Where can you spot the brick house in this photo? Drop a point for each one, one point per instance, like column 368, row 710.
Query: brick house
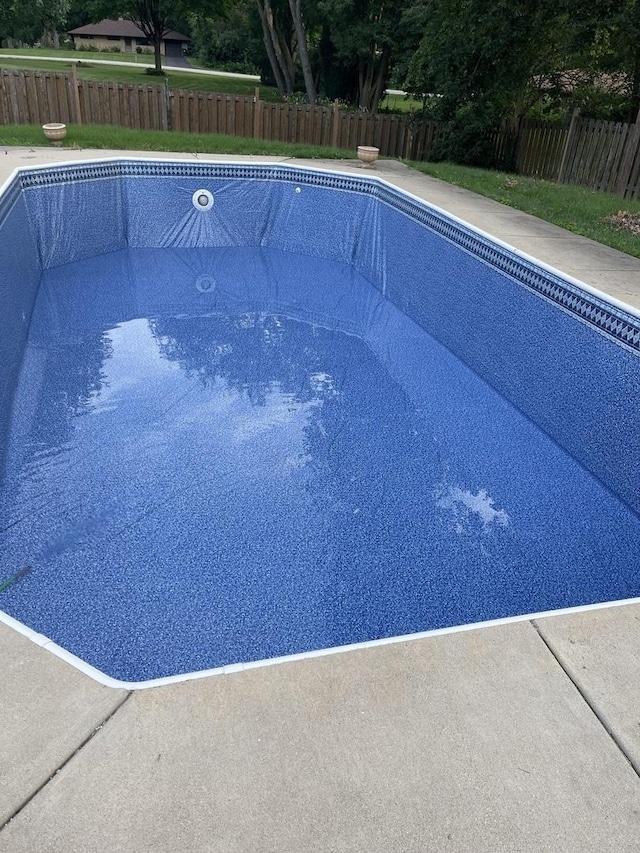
column 126, row 37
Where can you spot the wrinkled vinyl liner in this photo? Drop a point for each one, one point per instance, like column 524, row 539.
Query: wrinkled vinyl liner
column 316, row 414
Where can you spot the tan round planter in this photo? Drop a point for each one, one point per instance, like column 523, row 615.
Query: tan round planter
column 55, row 131
column 367, row 155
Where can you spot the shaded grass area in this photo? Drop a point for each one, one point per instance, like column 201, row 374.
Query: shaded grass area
column 400, row 104
column 577, row 209
column 120, row 138
column 176, row 79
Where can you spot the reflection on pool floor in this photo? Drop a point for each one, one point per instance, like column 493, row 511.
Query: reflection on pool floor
column 224, row 455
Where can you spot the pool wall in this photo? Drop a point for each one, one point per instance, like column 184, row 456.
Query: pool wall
column 19, row 278
column 565, row 356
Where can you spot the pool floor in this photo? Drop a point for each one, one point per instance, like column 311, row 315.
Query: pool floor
column 226, row 455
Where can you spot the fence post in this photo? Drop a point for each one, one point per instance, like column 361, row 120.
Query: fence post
column 257, row 114
column 568, row 146
column 168, row 105
column 513, row 140
column 627, row 158
column 76, row 92
column 335, row 125
column 408, row 140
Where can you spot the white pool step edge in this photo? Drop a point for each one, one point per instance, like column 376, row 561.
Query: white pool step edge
column 107, row 681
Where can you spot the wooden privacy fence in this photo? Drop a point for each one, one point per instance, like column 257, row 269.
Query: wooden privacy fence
column 36, row 97
column 600, row 155
column 535, row 149
column 394, row 135
column 539, row 150
column 604, row 155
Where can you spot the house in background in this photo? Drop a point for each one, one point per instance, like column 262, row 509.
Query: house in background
column 125, row 37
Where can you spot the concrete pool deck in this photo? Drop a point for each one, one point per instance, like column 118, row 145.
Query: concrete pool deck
column 523, row 736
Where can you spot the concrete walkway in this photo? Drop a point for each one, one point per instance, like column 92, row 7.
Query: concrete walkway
column 523, row 737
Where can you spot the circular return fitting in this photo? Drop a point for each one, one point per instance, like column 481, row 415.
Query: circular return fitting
column 202, row 200
column 205, row 284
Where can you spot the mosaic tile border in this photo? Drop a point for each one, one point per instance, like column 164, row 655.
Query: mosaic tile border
column 57, row 175
column 607, row 319
column 612, row 321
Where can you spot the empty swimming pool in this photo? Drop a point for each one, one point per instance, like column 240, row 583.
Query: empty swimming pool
column 253, row 412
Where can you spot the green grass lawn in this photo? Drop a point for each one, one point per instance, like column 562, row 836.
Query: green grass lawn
column 76, row 54
column 400, row 103
column 119, row 138
column 87, row 55
column 575, row 208
column 117, row 74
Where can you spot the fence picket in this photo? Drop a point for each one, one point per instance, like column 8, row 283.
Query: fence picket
column 633, row 181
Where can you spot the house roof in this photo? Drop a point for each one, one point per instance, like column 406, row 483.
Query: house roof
column 121, row 28
column 617, row 83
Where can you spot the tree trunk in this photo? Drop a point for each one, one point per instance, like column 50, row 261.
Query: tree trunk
column 380, row 80
column 271, row 54
column 372, row 77
column 284, row 60
column 364, row 84
column 157, row 52
column 634, row 103
column 152, row 21
column 286, row 51
column 301, row 37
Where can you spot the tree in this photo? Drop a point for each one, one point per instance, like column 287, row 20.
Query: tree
column 295, row 7
column 33, row 20
column 366, row 35
column 78, row 15
column 53, row 16
column 7, row 21
column 278, row 41
column 230, row 42
column 596, row 63
column 486, row 63
column 615, row 45
column 286, row 41
column 476, row 59
column 154, row 17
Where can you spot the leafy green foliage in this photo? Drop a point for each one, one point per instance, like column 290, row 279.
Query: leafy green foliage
column 614, row 47
column 30, row 20
column 595, row 62
column 477, row 64
column 363, row 38
column 486, row 63
column 476, row 57
column 231, row 41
